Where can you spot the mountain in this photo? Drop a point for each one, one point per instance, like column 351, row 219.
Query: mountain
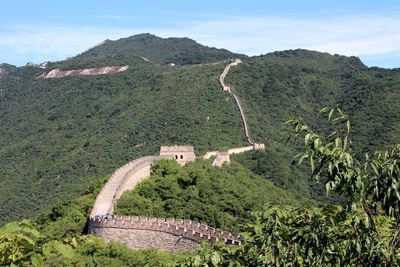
column 276, row 86
column 58, row 136
column 179, row 51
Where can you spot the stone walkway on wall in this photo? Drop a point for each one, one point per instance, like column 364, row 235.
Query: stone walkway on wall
column 227, row 88
column 125, row 178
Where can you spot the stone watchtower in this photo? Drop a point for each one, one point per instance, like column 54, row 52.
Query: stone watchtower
column 182, row 154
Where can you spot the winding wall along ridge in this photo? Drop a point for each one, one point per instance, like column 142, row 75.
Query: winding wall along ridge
column 229, row 89
column 145, row 232
column 124, row 178
column 186, row 228
column 159, row 233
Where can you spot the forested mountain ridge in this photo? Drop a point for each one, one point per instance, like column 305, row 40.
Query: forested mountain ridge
column 148, row 47
column 303, row 81
column 276, row 86
column 57, row 136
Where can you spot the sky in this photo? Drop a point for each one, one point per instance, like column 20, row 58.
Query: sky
column 43, row 30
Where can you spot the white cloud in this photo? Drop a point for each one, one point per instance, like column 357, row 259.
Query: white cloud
column 361, row 35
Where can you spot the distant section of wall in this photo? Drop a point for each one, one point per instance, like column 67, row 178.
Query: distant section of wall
column 258, row 146
column 221, row 158
column 210, row 154
column 240, row 150
column 57, row 73
column 182, row 154
column 224, row 156
column 160, row 233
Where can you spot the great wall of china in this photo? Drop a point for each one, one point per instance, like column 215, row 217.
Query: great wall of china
column 160, row 233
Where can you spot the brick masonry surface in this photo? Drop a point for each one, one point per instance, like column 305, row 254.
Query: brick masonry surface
column 137, row 239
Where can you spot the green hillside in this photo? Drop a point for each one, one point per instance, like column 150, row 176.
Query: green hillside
column 180, row 51
column 222, row 197
column 276, row 86
column 59, row 135
column 60, row 139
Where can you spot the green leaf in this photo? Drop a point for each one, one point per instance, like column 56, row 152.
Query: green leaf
column 37, row 260
column 330, row 114
column 215, row 259
column 325, row 109
column 312, row 164
column 307, row 138
column 303, row 158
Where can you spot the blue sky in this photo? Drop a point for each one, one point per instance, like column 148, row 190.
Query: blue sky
column 38, row 31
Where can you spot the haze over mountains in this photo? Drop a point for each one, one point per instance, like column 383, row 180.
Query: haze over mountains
column 59, row 135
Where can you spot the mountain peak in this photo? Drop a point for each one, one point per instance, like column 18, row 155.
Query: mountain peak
column 160, row 50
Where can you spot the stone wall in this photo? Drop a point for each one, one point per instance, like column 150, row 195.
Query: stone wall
column 182, row 154
column 161, row 233
column 144, row 232
column 240, row 150
column 210, row 154
column 144, row 239
column 221, row 158
column 125, row 178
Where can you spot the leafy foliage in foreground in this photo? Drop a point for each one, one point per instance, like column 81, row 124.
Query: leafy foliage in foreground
column 365, row 232
column 57, row 238
column 21, row 244
column 220, row 197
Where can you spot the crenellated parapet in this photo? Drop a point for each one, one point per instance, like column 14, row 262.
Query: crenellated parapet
column 179, row 228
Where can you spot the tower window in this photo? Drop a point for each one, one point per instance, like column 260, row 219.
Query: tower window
column 181, row 156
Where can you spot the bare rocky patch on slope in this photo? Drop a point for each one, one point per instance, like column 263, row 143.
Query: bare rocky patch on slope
column 2, row 72
column 57, row 73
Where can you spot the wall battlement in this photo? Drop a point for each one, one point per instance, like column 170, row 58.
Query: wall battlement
column 179, row 228
column 182, row 154
column 147, row 232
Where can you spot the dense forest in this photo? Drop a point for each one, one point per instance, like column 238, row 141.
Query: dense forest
column 59, row 135
column 60, row 139
column 220, row 197
column 279, row 231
